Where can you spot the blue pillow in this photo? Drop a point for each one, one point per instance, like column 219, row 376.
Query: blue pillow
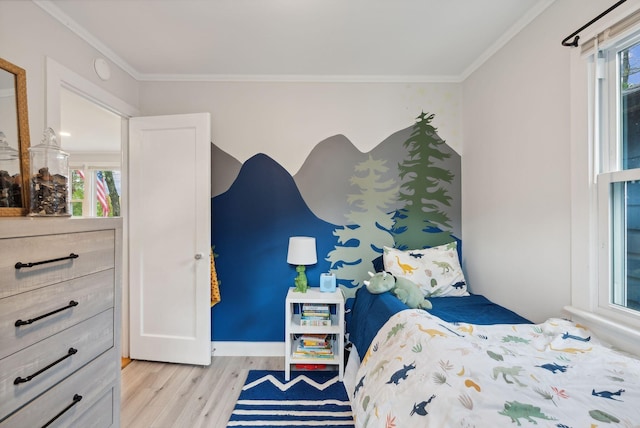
column 378, row 264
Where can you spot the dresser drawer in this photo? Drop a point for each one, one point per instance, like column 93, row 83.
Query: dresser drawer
column 95, row 383
column 100, row 414
column 93, row 294
column 95, row 252
column 63, row 353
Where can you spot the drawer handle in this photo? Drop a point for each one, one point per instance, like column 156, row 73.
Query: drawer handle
column 32, row 320
column 20, row 380
column 21, row 265
column 76, row 400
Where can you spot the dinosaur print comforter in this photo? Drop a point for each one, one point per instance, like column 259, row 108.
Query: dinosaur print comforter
column 421, row 371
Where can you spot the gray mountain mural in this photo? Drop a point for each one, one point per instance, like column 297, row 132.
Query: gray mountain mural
column 324, row 179
column 224, row 170
column 331, row 164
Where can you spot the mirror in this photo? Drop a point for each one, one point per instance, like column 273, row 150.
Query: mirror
column 14, row 141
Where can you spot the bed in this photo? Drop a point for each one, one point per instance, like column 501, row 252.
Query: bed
column 469, row 362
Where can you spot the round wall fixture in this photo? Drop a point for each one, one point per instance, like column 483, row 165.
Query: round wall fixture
column 102, row 68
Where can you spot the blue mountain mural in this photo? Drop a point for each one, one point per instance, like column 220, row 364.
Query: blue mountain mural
column 403, row 193
column 250, row 230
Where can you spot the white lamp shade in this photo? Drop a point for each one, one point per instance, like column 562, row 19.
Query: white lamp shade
column 302, row 251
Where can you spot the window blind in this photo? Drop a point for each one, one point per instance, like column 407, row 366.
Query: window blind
column 611, row 33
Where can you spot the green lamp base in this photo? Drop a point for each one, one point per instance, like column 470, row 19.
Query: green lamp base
column 301, row 280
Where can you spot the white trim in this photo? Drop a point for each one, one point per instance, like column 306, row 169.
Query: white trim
column 297, row 78
column 103, row 160
column 247, row 349
column 55, row 12
column 594, row 168
column 621, row 176
column 615, row 333
column 610, row 221
column 57, row 77
column 506, row 37
column 589, row 213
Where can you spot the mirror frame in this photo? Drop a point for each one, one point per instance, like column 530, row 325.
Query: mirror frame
column 23, row 137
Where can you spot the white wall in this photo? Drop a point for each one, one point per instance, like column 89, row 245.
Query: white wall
column 286, row 120
column 28, row 35
column 516, row 168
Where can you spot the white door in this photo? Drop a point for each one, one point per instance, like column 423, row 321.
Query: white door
column 169, row 238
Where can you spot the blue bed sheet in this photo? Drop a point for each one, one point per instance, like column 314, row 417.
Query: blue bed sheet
column 370, row 311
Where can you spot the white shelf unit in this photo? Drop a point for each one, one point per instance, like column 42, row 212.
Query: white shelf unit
column 293, row 329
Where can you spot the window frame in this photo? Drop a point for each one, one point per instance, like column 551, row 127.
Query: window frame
column 90, row 196
column 606, row 101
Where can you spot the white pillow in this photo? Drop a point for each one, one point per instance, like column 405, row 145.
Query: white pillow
column 435, row 270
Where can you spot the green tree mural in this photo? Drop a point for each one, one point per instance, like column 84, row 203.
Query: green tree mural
column 422, row 222
column 369, row 222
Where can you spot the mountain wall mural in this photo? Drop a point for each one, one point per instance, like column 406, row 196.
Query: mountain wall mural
column 405, row 193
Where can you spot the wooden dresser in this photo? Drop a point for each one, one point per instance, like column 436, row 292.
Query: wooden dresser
column 60, row 297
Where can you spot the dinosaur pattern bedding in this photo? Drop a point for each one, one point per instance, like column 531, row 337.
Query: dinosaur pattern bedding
column 421, row 371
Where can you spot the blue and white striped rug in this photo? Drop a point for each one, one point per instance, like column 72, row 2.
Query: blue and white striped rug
column 309, row 399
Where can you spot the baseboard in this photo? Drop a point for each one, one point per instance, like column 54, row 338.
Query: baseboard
column 247, row 349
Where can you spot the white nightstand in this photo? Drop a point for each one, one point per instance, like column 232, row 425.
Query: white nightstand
column 293, row 328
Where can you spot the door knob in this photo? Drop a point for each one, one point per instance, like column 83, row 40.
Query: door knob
column 199, row 256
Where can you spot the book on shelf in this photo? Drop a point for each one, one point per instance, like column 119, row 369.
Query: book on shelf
column 314, row 338
column 321, row 340
column 313, row 307
column 313, row 346
column 316, row 315
column 315, row 322
column 308, row 350
column 313, row 314
column 314, row 318
column 306, row 355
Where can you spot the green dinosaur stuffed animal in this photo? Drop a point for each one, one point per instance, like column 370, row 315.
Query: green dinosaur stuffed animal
column 405, row 290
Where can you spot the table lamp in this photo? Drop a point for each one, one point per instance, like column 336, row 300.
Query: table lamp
column 302, row 252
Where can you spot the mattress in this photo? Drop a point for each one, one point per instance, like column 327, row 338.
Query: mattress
column 371, row 311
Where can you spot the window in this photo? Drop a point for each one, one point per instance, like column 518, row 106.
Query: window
column 95, row 192
column 617, row 134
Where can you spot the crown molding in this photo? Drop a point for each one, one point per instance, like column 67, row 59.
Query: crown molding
column 297, row 78
column 53, row 10
column 49, row 7
column 506, row 37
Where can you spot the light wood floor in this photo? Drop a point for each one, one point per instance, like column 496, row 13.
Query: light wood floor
column 161, row 395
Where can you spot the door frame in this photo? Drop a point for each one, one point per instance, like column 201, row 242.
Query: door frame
column 58, row 77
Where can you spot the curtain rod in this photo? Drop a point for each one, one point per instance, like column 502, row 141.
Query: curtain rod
column 576, row 37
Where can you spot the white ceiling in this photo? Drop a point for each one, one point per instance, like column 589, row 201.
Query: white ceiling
column 365, row 40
